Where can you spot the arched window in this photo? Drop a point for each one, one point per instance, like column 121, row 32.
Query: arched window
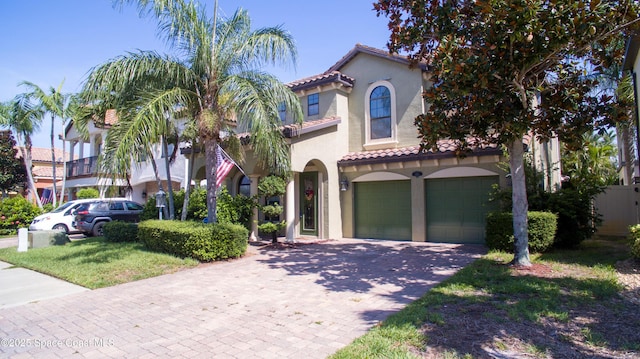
column 380, row 113
column 244, row 186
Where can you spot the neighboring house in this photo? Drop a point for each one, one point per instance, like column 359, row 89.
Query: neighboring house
column 631, row 174
column 82, row 172
column 42, row 171
column 357, row 169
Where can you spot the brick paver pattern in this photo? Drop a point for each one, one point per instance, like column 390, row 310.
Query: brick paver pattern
column 304, row 301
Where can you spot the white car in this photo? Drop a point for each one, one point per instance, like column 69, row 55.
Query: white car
column 60, row 219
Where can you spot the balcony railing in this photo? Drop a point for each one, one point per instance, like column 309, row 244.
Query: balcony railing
column 82, row 167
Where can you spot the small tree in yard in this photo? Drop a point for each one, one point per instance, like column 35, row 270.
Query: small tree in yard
column 269, row 187
column 12, row 171
column 502, row 70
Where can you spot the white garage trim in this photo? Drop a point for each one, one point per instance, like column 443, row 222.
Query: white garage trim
column 461, row 172
column 380, row 176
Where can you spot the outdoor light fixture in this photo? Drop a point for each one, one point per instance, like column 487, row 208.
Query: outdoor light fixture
column 344, row 184
column 417, row 174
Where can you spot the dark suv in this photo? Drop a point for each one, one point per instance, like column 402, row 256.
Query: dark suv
column 91, row 216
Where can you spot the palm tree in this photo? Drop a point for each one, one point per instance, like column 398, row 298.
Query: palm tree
column 24, row 119
column 54, row 103
column 219, row 75
column 593, row 166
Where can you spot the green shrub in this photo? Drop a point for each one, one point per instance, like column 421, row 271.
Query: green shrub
column 87, row 193
column 204, row 242
column 542, row 229
column 16, row 213
column 634, row 234
column 119, row 231
column 236, row 210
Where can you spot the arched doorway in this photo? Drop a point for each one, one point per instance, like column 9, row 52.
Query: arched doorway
column 311, row 190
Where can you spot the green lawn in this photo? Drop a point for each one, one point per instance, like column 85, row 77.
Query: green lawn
column 570, row 307
column 94, row 263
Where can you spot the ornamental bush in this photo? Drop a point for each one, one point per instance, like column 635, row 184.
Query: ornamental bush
column 542, row 230
column 194, row 239
column 634, row 234
column 86, row 193
column 16, row 213
column 119, row 231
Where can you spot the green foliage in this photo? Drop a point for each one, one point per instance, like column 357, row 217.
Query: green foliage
column 542, row 228
column 592, row 166
column 271, row 227
column 577, row 219
column 86, row 193
column 197, row 209
column 634, row 234
column 272, row 186
column 237, row 210
column 16, row 213
column 13, row 176
column 119, row 231
column 204, row 242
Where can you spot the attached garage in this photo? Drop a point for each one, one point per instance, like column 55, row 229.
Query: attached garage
column 456, row 208
column 382, row 209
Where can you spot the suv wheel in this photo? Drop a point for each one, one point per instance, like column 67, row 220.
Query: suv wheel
column 97, row 229
column 60, row 227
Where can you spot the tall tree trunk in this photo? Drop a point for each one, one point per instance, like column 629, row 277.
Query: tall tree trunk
column 167, row 165
column 187, row 190
column 211, row 165
column 520, row 204
column 64, row 167
column 28, row 163
column 53, row 162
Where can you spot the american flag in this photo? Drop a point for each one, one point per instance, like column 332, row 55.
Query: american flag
column 225, row 164
column 47, row 196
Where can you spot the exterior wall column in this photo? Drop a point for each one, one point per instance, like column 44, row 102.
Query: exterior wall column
column 418, row 208
column 290, row 210
column 253, row 191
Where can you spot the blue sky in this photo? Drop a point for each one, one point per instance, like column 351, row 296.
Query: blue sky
column 46, row 42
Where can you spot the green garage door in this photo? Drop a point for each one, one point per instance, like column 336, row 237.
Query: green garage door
column 383, row 210
column 457, row 207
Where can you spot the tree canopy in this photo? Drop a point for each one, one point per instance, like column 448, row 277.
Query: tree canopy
column 505, row 70
column 216, row 81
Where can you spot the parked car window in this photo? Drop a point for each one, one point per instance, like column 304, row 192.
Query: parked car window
column 134, row 206
column 116, row 206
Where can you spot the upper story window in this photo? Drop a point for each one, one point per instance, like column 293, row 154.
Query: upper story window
column 380, row 115
column 282, row 111
column 380, row 112
column 313, row 104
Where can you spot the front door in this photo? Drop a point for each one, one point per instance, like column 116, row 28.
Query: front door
column 309, row 203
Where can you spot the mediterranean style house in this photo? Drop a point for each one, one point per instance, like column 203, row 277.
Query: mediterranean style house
column 356, row 164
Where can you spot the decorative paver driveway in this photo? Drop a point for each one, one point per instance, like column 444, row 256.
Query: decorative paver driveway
column 303, row 301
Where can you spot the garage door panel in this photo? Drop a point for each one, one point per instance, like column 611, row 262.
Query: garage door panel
column 457, row 208
column 383, row 210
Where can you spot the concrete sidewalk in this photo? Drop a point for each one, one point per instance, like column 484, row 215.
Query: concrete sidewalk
column 280, row 302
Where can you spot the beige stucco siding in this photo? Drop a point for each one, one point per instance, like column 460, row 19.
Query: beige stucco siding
column 407, row 84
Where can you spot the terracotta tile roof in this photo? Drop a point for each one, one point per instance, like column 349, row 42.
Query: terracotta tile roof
column 295, row 129
column 110, row 117
column 41, row 154
column 446, row 148
column 47, row 171
column 321, row 79
column 359, row 48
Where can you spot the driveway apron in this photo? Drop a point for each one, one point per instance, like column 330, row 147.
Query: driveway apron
column 291, row 301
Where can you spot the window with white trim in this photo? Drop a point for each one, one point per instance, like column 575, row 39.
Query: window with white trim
column 380, row 114
column 313, row 104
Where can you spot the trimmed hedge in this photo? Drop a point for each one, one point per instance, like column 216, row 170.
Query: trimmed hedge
column 119, row 231
column 634, row 234
column 204, row 242
column 542, row 230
